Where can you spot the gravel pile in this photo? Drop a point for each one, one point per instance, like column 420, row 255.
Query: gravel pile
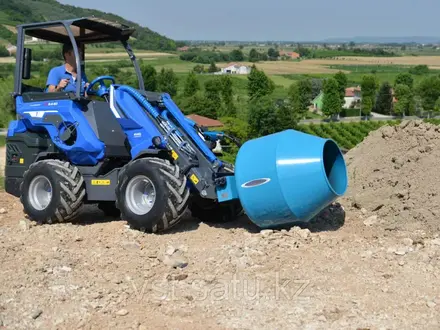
column 395, row 174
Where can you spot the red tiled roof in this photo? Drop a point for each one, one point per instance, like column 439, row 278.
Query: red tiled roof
column 291, row 54
column 350, row 91
column 205, row 121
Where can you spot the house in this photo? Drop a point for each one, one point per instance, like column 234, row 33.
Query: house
column 205, row 121
column 183, row 49
column 11, row 49
column 352, row 96
column 292, row 55
column 317, row 101
column 234, row 68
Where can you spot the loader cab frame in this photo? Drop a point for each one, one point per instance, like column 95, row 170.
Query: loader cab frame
column 80, row 32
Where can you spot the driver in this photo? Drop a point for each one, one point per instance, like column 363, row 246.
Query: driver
column 63, row 77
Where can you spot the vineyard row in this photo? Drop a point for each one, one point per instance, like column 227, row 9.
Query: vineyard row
column 348, row 135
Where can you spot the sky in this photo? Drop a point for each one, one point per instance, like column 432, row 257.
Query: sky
column 306, row 20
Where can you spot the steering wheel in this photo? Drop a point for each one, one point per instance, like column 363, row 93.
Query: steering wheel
column 102, row 90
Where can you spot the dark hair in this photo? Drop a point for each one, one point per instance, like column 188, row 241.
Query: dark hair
column 67, row 47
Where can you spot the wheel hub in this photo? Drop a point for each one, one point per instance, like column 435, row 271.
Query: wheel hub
column 140, row 195
column 40, row 192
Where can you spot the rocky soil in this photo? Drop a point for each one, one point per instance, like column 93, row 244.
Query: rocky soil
column 353, row 267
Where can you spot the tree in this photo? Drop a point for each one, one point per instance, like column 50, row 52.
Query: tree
column 294, row 99
column 227, row 94
column 305, row 93
column 167, row 82
column 316, row 87
column 299, row 96
column 437, row 106
column 233, row 127
column 149, row 75
column 236, row 55
column 342, row 80
column 405, row 79
column 273, row 54
column 254, row 56
column 199, row 68
column 212, row 67
column 429, row 91
column 259, row 84
column 262, row 117
column 213, row 99
column 419, row 69
column 331, row 103
column 286, row 118
column 405, row 100
column 384, row 102
column 191, row 85
column 369, row 88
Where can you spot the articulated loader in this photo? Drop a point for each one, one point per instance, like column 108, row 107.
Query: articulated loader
column 135, row 154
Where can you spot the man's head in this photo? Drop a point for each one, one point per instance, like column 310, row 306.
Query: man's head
column 69, row 54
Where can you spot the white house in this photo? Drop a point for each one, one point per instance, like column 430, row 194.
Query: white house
column 352, row 95
column 234, row 68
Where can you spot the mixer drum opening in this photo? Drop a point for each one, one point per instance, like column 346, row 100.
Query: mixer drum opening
column 334, row 167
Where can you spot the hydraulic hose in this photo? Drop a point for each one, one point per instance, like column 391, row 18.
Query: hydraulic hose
column 167, row 125
column 141, row 99
column 163, row 123
column 172, row 107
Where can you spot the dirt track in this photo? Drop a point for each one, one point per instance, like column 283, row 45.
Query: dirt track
column 350, row 271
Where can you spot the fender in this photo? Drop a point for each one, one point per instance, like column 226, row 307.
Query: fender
column 161, row 153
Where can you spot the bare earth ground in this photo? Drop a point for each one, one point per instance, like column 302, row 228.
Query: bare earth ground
column 348, row 272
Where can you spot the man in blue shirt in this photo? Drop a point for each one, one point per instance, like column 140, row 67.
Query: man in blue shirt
column 63, row 78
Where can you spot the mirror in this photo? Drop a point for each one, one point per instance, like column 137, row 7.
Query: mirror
column 27, row 59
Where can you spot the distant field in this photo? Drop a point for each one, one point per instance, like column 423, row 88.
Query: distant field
column 402, row 60
column 103, row 57
column 282, row 72
column 327, row 66
column 289, row 67
column 140, row 54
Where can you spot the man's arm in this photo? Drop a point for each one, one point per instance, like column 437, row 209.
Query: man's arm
column 53, row 83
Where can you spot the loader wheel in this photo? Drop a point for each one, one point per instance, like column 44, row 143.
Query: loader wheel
column 52, row 191
column 152, row 194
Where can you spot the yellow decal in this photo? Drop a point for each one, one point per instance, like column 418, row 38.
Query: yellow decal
column 194, row 179
column 174, row 155
column 100, row 182
column 21, row 160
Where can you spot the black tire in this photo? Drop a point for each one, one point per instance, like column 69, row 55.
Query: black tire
column 109, row 209
column 67, row 186
column 214, row 212
column 171, row 199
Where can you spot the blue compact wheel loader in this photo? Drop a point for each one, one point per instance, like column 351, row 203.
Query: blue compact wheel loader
column 134, row 154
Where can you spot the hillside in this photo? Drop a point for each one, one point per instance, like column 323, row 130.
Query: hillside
column 13, row 12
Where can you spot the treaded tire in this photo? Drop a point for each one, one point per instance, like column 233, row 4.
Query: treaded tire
column 214, row 212
column 172, row 194
column 67, row 186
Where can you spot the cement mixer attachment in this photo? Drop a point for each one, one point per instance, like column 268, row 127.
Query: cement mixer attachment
column 286, row 177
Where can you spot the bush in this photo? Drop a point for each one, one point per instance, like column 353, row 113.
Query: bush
column 349, row 113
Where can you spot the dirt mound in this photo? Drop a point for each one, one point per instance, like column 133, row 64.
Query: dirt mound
column 394, row 173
